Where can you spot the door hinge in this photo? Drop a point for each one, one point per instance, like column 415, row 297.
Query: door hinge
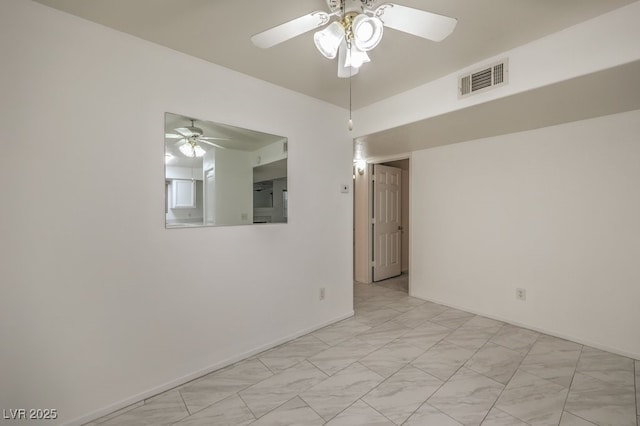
column 373, row 220
column 373, row 263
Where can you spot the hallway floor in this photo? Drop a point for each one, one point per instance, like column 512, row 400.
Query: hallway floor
column 404, row 361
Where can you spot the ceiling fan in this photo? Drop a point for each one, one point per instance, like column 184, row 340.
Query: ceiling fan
column 189, row 139
column 354, row 27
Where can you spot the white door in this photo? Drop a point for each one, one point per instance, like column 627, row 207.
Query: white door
column 387, row 187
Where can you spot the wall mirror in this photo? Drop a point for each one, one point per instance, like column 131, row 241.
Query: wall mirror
column 219, row 175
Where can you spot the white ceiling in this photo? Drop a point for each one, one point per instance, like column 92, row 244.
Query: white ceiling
column 219, row 31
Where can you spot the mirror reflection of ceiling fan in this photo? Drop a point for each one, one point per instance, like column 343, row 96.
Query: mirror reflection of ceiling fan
column 190, row 138
column 354, row 27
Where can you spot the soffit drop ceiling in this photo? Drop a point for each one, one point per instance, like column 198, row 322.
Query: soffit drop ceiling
column 219, row 30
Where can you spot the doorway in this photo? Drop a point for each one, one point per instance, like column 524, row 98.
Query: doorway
column 381, row 223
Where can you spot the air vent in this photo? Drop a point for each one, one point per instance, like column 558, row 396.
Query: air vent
column 484, row 79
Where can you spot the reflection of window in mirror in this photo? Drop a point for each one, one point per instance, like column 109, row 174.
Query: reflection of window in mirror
column 218, row 174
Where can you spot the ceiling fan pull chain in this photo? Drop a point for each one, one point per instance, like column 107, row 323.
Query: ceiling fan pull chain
column 350, row 77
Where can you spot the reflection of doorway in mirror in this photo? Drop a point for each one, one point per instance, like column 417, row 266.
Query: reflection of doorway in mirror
column 285, row 203
column 209, row 198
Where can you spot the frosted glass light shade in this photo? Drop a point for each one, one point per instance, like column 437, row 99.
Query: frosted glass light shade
column 367, row 32
column 328, row 40
column 345, row 71
column 356, row 57
column 191, row 149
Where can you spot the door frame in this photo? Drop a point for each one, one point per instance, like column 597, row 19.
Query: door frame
column 362, row 213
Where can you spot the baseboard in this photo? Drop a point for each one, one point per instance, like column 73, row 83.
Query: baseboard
column 140, row 397
column 553, row 333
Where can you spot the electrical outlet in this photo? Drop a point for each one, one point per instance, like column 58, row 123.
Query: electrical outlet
column 521, row 294
column 322, row 293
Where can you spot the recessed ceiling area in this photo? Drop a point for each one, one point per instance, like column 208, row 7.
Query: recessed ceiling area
column 219, row 31
column 610, row 91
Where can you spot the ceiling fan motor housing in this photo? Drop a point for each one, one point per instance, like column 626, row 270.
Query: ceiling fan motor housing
column 196, row 131
column 350, row 5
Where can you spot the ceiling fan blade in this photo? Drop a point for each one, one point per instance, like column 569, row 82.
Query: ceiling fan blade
column 212, row 138
column 172, row 136
column 200, row 140
column 291, row 29
column 415, row 21
column 184, row 132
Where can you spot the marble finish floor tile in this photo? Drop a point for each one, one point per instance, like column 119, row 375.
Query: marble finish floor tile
column 605, row 366
column 515, row 338
column 471, row 338
column 601, row 402
column 399, row 283
column 452, row 318
column 341, row 331
column 377, row 316
column 341, row 356
column 427, row 415
column 383, row 334
column 368, row 307
column 406, row 361
column 289, row 354
column 553, row 359
column 496, row 362
column 415, row 317
column 569, row 419
column 338, row 392
column 405, row 304
column 433, row 307
column 442, row 360
column 274, row 391
column 467, row 397
column 360, row 414
column 425, row 335
column 216, row 386
column 164, row 409
column 480, row 322
column 535, row 400
column 293, row 413
column 401, row 394
column 497, row 417
column 391, row 357
column 231, row 411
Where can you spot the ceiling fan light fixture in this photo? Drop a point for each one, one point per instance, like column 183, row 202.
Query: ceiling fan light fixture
column 367, row 32
column 191, row 149
column 356, row 57
column 328, row 40
column 344, row 70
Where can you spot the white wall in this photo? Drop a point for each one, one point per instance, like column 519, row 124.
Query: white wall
column 100, row 305
column 555, row 211
column 270, row 153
